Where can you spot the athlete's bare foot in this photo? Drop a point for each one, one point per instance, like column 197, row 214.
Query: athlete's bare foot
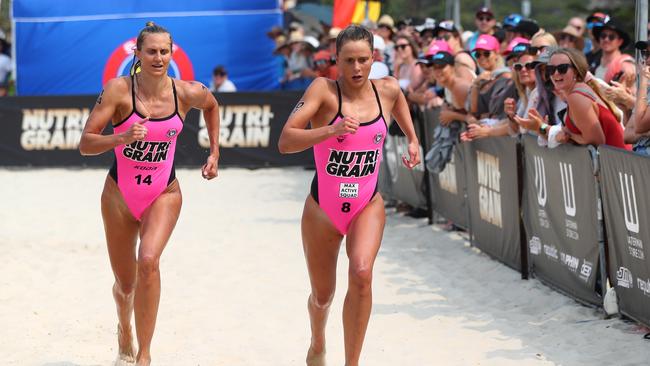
column 126, row 350
column 143, row 361
column 315, row 359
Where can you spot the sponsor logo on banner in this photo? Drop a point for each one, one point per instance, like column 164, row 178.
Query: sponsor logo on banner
column 570, row 261
column 540, row 180
column 643, row 285
column 628, row 196
column 119, row 62
column 348, row 190
column 585, row 270
column 568, row 191
column 447, row 177
column 489, row 191
column 624, row 278
column 569, row 198
column 347, row 164
column 52, row 128
column 551, row 251
column 535, row 245
column 241, row 126
column 631, row 215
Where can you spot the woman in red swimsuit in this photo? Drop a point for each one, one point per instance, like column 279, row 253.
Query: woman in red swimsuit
column 591, row 118
column 141, row 197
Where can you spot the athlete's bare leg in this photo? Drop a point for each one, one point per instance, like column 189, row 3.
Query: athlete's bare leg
column 321, row 243
column 158, row 222
column 362, row 244
column 121, row 234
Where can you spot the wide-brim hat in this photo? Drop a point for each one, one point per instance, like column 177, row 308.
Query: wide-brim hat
column 612, row 24
column 387, row 21
column 572, row 31
column 641, row 45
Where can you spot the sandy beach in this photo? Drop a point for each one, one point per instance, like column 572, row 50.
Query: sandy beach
column 234, row 286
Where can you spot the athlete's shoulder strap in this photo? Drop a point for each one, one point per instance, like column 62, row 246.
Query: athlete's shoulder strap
column 381, row 112
column 175, row 96
column 133, row 93
column 338, row 92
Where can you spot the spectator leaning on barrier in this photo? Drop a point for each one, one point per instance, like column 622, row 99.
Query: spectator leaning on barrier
column 220, row 82
column 638, row 128
column 591, row 118
column 491, row 88
column 485, row 23
column 456, row 88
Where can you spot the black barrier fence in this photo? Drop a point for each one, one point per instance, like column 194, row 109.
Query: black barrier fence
column 492, row 187
column 45, row 131
column 562, row 221
column 623, row 178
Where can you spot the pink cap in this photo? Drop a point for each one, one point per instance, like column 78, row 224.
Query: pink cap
column 515, row 41
column 487, row 42
column 438, row 45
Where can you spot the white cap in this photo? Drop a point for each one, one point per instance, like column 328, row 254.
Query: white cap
column 312, row 41
column 378, row 43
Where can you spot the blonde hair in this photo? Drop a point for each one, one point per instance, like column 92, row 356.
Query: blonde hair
column 547, row 38
column 521, row 88
column 579, row 63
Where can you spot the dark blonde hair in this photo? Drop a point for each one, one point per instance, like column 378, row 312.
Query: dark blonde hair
column 581, row 67
column 354, row 32
column 414, row 47
column 149, row 28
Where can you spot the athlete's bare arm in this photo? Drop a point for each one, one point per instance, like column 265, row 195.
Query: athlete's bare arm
column 107, row 108
column 196, row 95
column 402, row 115
column 294, row 137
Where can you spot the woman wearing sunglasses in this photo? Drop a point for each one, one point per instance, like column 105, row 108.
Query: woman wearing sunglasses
column 406, row 54
column 591, row 118
column 523, row 68
column 614, row 65
column 493, row 85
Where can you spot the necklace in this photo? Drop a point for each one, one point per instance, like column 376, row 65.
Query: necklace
column 148, row 113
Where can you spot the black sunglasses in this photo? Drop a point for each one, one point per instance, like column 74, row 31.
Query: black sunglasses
column 610, row 36
column 401, row 46
column 561, row 68
column 483, row 53
column 444, row 37
column 529, row 66
column 567, row 37
column 484, row 19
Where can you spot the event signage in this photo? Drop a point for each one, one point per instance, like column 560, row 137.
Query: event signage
column 491, row 171
column 560, row 210
column 45, row 131
column 623, row 179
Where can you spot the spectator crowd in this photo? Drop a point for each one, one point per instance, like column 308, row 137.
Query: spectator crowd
column 578, row 84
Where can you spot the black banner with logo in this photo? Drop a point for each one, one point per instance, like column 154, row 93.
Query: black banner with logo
column 492, row 193
column 560, row 210
column 624, row 178
column 45, row 131
column 447, row 187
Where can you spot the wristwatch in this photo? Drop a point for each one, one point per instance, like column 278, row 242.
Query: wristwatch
column 543, row 128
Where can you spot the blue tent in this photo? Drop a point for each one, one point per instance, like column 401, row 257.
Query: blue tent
column 73, row 47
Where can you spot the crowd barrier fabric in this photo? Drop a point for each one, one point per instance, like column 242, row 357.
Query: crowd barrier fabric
column 492, row 195
column 45, row 131
column 623, row 178
column 407, row 185
column 448, row 188
column 560, row 211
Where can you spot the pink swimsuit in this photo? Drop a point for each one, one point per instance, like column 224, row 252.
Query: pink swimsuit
column 144, row 169
column 347, row 167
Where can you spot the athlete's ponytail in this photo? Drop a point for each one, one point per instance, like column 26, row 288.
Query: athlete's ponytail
column 150, row 27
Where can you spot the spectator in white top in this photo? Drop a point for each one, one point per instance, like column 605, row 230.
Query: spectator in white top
column 378, row 70
column 220, row 82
